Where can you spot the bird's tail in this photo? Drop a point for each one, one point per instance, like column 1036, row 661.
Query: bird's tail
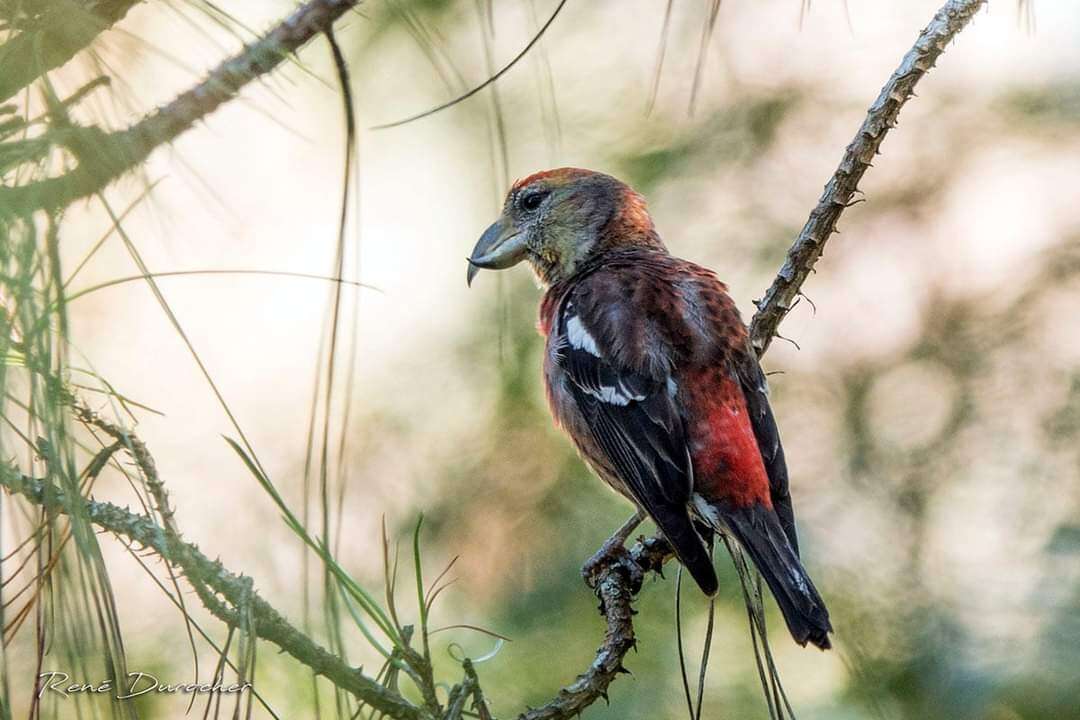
column 771, row 685
column 757, row 530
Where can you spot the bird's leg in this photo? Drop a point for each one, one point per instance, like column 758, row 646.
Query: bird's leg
column 614, row 552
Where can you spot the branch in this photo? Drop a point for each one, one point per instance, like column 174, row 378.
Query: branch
column 62, row 34
column 842, row 186
column 103, row 157
column 618, row 578
column 619, row 575
column 226, row 595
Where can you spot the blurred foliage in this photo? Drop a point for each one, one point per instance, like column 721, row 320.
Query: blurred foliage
column 972, row 404
column 1058, row 103
column 734, row 134
column 937, row 481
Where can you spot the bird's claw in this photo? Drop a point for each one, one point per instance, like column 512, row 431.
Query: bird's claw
column 608, row 558
column 611, row 557
column 614, row 553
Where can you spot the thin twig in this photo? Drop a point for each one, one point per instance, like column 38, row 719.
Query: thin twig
column 491, row 79
column 842, row 186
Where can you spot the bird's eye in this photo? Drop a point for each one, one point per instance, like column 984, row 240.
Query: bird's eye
column 532, row 202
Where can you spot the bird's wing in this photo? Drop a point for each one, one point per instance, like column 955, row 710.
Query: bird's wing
column 635, row 424
column 756, row 390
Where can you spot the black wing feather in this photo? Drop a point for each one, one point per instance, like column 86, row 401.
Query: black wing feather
column 756, row 390
column 635, row 423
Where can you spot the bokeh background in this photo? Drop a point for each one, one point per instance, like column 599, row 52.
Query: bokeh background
column 929, row 398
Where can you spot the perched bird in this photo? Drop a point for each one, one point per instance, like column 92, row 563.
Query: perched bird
column 649, row 370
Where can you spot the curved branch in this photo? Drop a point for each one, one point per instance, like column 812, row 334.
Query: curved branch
column 619, row 575
column 617, row 579
column 224, row 594
column 103, row 157
column 842, row 186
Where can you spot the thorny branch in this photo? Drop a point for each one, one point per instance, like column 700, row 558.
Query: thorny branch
column 617, row 574
column 105, row 156
column 842, row 186
column 618, row 578
column 226, row 595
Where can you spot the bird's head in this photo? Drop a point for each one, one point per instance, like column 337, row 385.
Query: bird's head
column 560, row 219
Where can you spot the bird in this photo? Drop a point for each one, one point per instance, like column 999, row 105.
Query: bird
column 649, row 369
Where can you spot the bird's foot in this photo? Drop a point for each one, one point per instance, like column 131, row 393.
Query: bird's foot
column 607, row 559
column 613, row 554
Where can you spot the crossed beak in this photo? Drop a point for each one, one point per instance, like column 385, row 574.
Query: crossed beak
column 501, row 246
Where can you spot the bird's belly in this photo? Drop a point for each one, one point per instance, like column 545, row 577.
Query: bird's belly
column 572, row 422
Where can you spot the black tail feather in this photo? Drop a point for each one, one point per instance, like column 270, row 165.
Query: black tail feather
column 771, row 685
column 759, row 533
column 691, row 550
column 692, row 553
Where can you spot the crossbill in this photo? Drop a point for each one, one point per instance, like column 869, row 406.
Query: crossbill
column 649, row 370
